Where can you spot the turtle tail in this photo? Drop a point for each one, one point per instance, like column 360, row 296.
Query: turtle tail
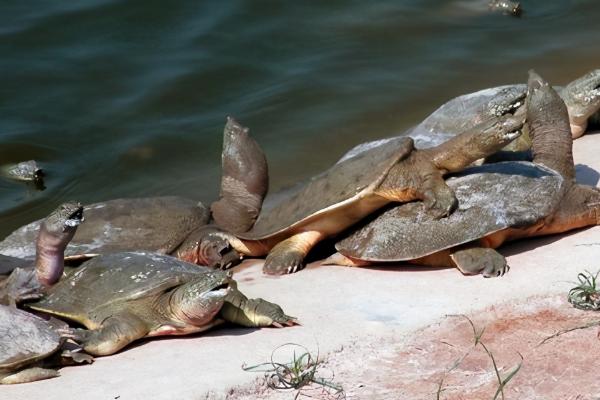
column 244, row 181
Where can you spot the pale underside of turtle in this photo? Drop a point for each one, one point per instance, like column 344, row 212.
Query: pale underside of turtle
column 121, row 297
column 25, row 340
column 153, row 224
column 491, row 198
column 340, row 186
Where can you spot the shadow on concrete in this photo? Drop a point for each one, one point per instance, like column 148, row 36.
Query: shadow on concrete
column 586, row 175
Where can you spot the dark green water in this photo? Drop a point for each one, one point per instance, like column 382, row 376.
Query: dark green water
column 129, row 98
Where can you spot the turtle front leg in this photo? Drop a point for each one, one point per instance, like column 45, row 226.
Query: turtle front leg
column 480, row 142
column 438, row 198
column 254, row 313
column 288, row 255
column 417, row 177
column 115, row 333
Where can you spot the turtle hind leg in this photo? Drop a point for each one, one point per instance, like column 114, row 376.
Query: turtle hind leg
column 253, row 313
column 29, row 375
column 480, row 260
column 288, row 255
column 244, row 181
column 115, row 333
column 468, row 260
column 579, row 208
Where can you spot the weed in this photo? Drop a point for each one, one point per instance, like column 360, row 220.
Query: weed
column 297, row 374
column 586, row 295
column 477, row 334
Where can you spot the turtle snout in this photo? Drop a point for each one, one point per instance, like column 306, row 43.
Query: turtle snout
column 75, row 218
column 216, row 252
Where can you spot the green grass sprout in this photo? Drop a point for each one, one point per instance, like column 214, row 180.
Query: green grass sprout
column 586, row 296
column 297, row 374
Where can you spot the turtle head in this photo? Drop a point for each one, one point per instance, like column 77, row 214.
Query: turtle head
column 498, row 132
column 64, row 220
column 582, row 97
column 198, row 301
column 56, row 231
column 508, row 101
column 208, row 246
column 507, row 7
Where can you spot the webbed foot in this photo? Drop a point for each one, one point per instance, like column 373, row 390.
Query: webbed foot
column 266, row 313
column 440, row 201
column 485, row 261
column 288, row 255
column 280, row 262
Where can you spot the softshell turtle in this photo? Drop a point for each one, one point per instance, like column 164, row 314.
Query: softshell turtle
column 582, row 97
column 29, row 346
column 54, row 233
column 502, row 202
column 24, row 171
column 506, row 7
column 289, row 226
column 154, row 224
column 122, row 297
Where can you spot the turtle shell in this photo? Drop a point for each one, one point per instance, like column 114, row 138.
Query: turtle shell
column 114, row 279
column 456, row 116
column 8, row 264
column 153, row 224
column 491, row 197
column 335, row 188
column 26, row 338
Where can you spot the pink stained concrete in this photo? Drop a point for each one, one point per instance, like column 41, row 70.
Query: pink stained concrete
column 337, row 307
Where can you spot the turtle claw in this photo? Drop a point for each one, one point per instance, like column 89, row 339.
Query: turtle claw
column 490, row 272
column 477, row 260
column 77, row 334
column 440, row 204
column 290, row 322
column 284, row 262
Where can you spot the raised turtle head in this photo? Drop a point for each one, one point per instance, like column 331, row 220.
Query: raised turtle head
column 56, row 232
column 492, row 135
column 64, row 220
column 198, row 301
column 582, row 97
column 507, row 101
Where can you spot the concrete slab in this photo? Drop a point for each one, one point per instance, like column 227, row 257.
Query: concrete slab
column 337, row 307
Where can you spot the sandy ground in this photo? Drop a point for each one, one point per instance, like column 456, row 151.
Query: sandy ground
column 371, row 325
